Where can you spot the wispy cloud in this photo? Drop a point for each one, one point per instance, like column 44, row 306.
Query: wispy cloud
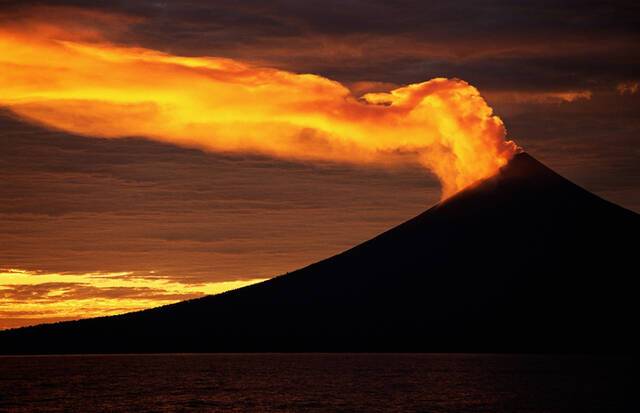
column 539, row 97
column 628, row 88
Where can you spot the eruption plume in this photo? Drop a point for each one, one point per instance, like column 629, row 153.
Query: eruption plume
column 96, row 88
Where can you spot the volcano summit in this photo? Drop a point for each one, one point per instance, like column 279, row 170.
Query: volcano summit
column 523, row 261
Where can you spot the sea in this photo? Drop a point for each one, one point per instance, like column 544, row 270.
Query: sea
column 319, row 383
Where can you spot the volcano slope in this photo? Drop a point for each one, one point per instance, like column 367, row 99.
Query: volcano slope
column 524, row 261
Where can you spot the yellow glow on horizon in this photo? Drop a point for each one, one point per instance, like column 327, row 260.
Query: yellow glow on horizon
column 60, row 300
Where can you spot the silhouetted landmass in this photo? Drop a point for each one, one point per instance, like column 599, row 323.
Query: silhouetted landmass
column 524, row 261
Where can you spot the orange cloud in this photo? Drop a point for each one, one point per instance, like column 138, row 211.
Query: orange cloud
column 216, row 104
column 65, row 22
column 365, row 86
column 567, row 96
column 628, row 88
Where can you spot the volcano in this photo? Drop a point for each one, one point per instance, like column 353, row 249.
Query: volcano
column 524, row 261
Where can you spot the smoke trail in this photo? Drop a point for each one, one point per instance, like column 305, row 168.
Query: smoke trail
column 95, row 88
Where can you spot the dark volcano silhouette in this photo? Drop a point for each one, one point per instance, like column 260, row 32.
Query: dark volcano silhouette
column 524, row 261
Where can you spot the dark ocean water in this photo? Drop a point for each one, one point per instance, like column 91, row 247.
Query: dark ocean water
column 318, row 383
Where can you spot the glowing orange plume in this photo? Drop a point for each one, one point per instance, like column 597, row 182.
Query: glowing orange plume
column 99, row 89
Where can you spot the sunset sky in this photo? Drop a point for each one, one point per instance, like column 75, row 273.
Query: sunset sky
column 96, row 226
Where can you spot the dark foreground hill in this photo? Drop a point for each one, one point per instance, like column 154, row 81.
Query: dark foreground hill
column 524, row 261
